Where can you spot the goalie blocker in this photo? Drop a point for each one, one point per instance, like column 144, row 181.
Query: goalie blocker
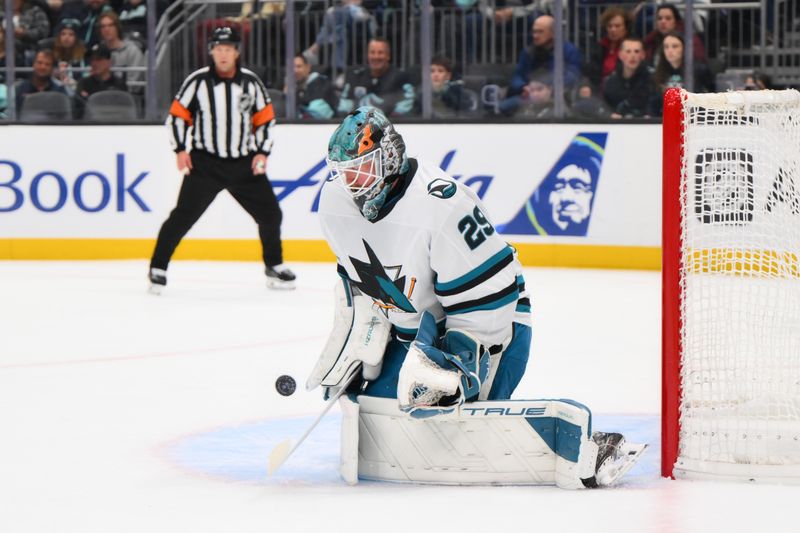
column 509, row 442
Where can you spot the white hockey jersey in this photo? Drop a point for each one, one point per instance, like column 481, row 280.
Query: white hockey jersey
column 432, row 249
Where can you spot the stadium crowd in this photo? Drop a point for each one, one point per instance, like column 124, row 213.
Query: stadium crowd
column 83, row 47
column 76, row 48
column 621, row 75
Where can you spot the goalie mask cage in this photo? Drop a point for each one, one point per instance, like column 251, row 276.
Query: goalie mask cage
column 731, row 286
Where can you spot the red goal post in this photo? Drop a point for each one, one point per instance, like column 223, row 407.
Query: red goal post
column 731, row 286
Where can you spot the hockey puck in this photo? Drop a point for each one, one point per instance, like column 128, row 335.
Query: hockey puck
column 285, row 385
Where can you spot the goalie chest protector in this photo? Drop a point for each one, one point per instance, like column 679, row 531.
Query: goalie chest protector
column 433, row 248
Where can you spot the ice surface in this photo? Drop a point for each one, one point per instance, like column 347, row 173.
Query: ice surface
column 125, row 412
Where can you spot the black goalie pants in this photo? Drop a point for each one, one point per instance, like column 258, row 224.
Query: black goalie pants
column 211, row 175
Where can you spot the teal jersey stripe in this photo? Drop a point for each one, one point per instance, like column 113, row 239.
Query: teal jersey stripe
column 412, row 332
column 497, row 304
column 476, row 272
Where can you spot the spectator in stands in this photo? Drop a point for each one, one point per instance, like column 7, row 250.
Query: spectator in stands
column 510, row 18
column 99, row 79
column 537, row 100
column 449, row 96
column 629, row 90
column 757, row 81
column 379, row 84
column 70, row 53
column 504, row 11
column 670, row 71
column 3, row 100
column 41, row 79
column 540, row 56
column 538, row 59
column 587, row 105
column 2, row 52
column 668, row 19
column 18, row 59
column 338, row 24
column 124, row 53
column 315, row 97
column 3, row 88
column 644, row 13
column 54, row 11
column 133, row 17
column 88, row 12
column 30, row 25
column 616, row 22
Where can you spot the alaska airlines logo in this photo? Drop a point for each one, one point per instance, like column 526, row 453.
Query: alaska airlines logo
column 562, row 204
column 441, row 188
column 376, row 283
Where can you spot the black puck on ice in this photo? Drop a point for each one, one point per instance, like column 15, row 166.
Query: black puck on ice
column 285, row 385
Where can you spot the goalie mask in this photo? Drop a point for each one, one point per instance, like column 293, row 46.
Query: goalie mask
column 366, row 155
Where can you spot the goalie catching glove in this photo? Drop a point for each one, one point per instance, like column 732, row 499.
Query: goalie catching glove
column 359, row 338
column 438, row 376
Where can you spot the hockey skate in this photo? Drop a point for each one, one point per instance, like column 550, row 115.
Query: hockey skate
column 614, row 458
column 158, row 280
column 280, row 277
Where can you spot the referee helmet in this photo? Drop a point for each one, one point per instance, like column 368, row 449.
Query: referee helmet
column 223, row 35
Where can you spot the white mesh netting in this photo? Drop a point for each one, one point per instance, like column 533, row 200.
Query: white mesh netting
column 740, row 284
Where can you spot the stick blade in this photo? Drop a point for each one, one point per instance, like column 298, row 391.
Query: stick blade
column 278, row 455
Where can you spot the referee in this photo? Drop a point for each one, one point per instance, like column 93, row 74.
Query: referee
column 224, row 113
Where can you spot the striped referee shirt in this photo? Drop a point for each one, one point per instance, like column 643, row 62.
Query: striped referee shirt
column 226, row 117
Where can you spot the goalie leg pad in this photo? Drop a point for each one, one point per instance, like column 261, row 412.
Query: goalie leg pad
column 509, row 370
column 579, row 473
column 519, row 442
column 480, row 443
column 385, row 385
column 566, row 432
column 348, row 460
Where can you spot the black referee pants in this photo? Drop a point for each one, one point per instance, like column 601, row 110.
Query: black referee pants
column 208, row 177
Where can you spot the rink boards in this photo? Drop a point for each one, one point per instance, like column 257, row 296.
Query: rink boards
column 103, row 191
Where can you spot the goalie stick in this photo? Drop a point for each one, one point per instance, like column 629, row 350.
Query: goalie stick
column 284, row 449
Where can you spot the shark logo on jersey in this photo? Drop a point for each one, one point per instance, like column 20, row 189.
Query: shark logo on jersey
column 376, row 283
column 441, row 188
column 562, row 203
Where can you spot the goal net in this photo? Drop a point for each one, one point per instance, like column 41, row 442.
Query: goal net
column 731, row 286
